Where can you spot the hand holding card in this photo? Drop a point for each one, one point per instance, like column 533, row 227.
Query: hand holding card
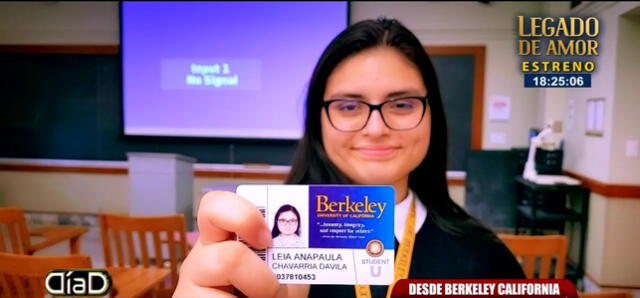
column 327, row 234
column 217, row 264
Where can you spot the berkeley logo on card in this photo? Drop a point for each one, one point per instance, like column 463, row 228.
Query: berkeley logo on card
column 327, row 234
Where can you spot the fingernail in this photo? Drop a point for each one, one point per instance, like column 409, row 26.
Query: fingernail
column 264, row 238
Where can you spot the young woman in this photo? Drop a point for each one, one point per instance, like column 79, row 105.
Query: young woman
column 286, row 227
column 374, row 115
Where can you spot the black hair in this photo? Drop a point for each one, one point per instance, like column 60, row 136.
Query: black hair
column 284, row 208
column 429, row 181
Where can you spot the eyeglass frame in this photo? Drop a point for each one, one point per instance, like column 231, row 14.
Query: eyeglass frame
column 287, row 221
column 378, row 107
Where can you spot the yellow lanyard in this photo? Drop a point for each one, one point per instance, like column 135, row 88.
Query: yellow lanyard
column 403, row 258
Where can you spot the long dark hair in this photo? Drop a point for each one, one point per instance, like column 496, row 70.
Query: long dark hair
column 429, row 181
column 284, row 208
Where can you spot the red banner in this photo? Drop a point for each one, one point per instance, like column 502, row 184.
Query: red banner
column 484, row 287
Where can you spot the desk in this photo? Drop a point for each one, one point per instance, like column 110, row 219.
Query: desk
column 135, row 282
column 55, row 234
column 546, row 205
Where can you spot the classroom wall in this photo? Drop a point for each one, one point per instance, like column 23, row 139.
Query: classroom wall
column 626, row 123
column 552, row 101
column 603, row 158
column 596, row 237
column 613, row 231
column 620, row 258
column 620, row 265
column 81, row 193
column 65, row 192
column 612, row 241
column 93, row 193
column 586, row 154
column 59, row 23
column 552, row 106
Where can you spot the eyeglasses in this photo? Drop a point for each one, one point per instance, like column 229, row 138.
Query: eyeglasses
column 287, row 221
column 398, row 114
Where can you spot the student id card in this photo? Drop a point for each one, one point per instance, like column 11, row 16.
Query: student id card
column 327, row 234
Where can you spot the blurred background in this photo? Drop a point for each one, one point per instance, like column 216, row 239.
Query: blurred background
column 76, row 145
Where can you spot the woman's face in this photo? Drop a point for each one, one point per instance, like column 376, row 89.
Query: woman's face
column 376, row 154
column 287, row 223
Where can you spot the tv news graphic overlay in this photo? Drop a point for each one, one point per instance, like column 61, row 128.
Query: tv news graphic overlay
column 327, row 234
column 78, row 282
column 557, row 52
column 484, row 288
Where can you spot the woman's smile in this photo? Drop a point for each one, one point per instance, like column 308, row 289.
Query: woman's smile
column 376, row 152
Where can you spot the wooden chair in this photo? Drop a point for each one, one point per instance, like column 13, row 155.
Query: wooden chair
column 118, row 232
column 527, row 248
column 13, row 221
column 605, row 294
column 192, row 238
column 24, row 275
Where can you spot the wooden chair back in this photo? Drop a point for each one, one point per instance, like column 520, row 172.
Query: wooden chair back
column 527, row 248
column 605, row 294
column 130, row 241
column 24, row 275
column 14, row 226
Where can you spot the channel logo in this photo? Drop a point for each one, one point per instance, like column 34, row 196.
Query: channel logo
column 78, row 282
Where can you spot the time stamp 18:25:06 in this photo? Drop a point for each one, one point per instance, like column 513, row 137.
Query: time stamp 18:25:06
column 557, row 80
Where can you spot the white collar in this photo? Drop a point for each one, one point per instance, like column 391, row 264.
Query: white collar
column 401, row 212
